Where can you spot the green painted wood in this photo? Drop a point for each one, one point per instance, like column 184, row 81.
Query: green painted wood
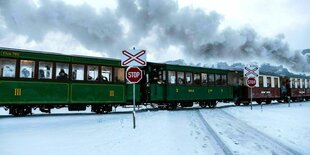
column 130, row 92
column 195, row 69
column 196, row 93
column 34, row 55
column 96, row 61
column 97, row 93
column 157, row 92
column 20, row 92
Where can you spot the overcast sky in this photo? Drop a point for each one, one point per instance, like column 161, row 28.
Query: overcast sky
column 195, row 30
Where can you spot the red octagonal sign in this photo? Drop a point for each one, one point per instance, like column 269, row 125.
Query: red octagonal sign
column 251, row 82
column 133, row 74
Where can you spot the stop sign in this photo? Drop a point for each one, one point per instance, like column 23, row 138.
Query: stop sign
column 251, row 82
column 133, row 74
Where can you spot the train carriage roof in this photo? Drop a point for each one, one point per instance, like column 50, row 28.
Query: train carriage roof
column 58, row 57
column 176, row 67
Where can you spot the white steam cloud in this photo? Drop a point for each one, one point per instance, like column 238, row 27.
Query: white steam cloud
column 134, row 21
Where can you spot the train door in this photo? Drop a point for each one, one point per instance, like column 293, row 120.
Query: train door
column 156, row 82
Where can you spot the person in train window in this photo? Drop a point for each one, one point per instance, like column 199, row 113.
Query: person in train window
column 101, row 78
column 41, row 74
column 62, row 75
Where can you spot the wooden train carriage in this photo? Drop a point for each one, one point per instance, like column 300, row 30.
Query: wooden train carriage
column 170, row 85
column 267, row 88
column 298, row 88
column 44, row 80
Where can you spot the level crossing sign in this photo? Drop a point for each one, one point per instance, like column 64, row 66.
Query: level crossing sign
column 250, row 71
column 251, row 82
column 133, row 57
column 134, row 74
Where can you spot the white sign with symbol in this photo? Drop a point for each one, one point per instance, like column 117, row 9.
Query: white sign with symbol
column 251, row 71
column 133, row 57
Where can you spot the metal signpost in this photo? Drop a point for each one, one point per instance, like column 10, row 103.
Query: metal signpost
column 133, row 58
column 251, row 72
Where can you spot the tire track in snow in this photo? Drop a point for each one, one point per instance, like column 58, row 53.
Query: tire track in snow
column 216, row 139
column 241, row 134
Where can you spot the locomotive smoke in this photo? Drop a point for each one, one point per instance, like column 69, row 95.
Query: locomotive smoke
column 155, row 25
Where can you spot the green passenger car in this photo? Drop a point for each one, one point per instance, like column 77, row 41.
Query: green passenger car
column 43, row 80
column 173, row 85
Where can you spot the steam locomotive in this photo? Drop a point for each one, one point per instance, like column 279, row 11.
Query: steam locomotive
column 41, row 80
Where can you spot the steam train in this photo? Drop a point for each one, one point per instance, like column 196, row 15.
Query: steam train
column 41, row 80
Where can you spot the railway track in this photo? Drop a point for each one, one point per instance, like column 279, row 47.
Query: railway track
column 242, row 138
column 214, row 137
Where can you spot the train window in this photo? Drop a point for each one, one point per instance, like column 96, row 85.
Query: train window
column 218, row 80
column 309, row 83
column 92, row 72
column 224, row 80
column 268, row 81
column 211, row 79
column 171, row 77
column 261, row 81
column 276, row 82
column 293, row 83
column 189, row 78
column 297, row 83
column 27, row 69
column 164, row 76
column 106, row 73
column 180, row 78
column 197, row 79
column 119, row 75
column 45, row 70
column 8, row 67
column 303, row 83
column 62, row 70
column 204, row 77
column 77, row 72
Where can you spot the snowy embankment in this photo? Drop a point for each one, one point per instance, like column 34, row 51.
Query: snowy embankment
column 157, row 132
column 289, row 125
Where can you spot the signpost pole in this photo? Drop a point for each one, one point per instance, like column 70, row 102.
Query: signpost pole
column 251, row 97
column 134, row 105
column 134, row 58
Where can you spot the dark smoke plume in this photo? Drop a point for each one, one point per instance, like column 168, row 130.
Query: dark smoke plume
column 196, row 32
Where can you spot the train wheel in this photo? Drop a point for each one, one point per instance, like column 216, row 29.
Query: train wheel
column 212, row 104
column 172, row 106
column 280, row 101
column 20, row 110
column 237, row 103
column 268, row 101
column 246, row 103
column 203, row 104
column 259, row 102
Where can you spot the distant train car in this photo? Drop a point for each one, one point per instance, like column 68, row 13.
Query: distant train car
column 173, row 85
column 267, row 88
column 298, row 88
column 46, row 80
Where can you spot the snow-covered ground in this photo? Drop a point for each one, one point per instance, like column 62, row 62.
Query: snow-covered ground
column 183, row 132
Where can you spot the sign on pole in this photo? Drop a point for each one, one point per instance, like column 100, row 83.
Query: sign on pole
column 251, row 72
column 134, row 74
column 133, row 58
column 251, row 82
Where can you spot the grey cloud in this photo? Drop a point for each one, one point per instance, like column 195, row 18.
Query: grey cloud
column 194, row 29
